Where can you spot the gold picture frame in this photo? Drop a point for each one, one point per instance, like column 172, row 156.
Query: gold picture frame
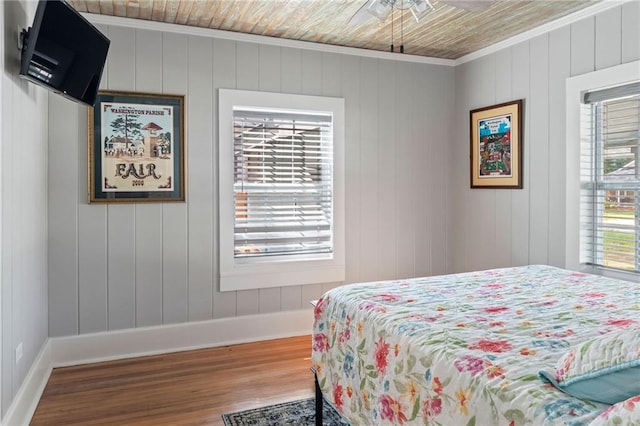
column 496, row 146
column 136, row 148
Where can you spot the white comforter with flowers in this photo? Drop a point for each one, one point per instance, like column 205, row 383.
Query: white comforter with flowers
column 466, row 349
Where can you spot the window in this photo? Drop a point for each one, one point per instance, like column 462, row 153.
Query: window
column 610, row 178
column 282, row 183
column 281, row 189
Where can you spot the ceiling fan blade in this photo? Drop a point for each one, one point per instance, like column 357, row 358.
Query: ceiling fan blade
column 470, row 5
column 361, row 16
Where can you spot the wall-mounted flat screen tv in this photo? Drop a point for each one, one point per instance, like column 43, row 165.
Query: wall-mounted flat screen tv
column 64, row 52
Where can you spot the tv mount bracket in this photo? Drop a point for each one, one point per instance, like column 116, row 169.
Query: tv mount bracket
column 23, row 37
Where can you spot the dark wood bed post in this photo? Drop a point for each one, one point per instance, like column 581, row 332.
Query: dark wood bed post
column 318, row 399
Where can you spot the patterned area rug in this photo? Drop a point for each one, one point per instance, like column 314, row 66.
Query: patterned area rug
column 299, row 413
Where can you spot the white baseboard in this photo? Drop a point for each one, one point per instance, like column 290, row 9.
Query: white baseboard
column 26, row 401
column 135, row 342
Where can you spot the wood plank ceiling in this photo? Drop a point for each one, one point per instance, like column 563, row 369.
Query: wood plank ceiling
column 447, row 32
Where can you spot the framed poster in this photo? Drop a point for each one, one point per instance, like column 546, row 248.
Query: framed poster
column 136, row 148
column 496, row 146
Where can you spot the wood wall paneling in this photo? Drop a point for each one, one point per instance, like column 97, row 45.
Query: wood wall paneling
column 582, row 46
column 480, row 203
column 63, row 217
column 270, row 299
column 6, row 191
column 174, row 215
column 504, row 198
column 174, row 263
column 437, row 135
column 351, row 91
column 291, row 298
column 148, row 217
column 92, row 267
column 248, row 78
column 121, row 270
column 92, row 239
column 291, row 70
column 24, row 182
column 148, row 61
column 331, row 86
column 248, row 302
column 172, row 285
column 38, row 262
column 121, row 61
column 200, row 142
column 311, row 73
column 331, row 73
column 270, row 68
column 559, row 71
column 6, row 290
column 121, row 262
column 536, row 71
column 405, row 185
column 248, row 66
column 459, row 181
column 608, row 37
column 520, row 207
column 224, row 76
column 630, row 31
column 388, row 140
column 24, row 235
column 538, row 131
column 369, row 103
column 148, row 268
column 427, row 152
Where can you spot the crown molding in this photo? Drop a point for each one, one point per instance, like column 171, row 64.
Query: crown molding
column 253, row 38
column 542, row 29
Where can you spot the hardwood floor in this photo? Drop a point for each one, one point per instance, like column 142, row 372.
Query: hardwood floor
column 185, row 388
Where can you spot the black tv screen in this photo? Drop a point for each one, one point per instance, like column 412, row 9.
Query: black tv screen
column 63, row 52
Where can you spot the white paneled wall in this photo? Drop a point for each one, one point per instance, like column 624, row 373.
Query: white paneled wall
column 200, row 156
column 122, row 266
column 497, row 228
column 23, row 209
column 409, row 209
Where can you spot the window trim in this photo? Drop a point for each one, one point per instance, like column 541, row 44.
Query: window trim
column 575, row 89
column 278, row 271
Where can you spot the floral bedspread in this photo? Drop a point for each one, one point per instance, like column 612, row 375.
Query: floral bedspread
column 463, row 349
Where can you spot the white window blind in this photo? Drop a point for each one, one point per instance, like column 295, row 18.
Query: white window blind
column 610, row 179
column 283, row 168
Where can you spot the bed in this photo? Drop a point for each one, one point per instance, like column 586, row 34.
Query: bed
column 480, row 348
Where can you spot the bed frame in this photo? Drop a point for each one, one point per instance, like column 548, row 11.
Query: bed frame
column 319, row 400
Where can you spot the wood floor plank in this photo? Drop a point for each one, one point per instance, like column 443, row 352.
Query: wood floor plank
column 184, row 388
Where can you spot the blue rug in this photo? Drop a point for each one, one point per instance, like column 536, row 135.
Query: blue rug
column 299, row 413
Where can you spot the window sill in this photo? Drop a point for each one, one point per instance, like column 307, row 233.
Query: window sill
column 301, row 273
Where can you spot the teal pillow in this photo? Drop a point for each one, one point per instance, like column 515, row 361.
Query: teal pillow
column 605, row 369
